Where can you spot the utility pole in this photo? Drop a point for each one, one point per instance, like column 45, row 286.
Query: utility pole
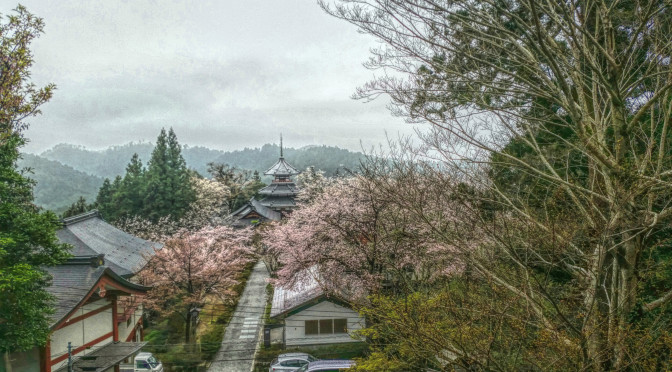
column 69, row 356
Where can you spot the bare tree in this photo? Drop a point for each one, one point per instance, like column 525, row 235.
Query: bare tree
column 558, row 114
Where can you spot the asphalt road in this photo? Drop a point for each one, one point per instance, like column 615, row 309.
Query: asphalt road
column 242, row 335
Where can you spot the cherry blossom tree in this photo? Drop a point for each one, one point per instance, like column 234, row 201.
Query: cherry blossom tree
column 193, row 266
column 360, row 241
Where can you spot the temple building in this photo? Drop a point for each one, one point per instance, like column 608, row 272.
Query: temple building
column 275, row 201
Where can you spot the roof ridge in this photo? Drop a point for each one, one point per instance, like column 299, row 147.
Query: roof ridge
column 81, row 217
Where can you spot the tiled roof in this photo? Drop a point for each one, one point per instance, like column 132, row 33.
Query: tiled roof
column 89, row 234
column 105, row 357
column 280, row 189
column 287, row 299
column 253, row 205
column 278, row 202
column 265, row 211
column 72, row 281
column 281, row 168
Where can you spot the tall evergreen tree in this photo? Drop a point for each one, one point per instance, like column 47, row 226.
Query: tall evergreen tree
column 104, row 198
column 169, row 191
column 78, row 207
column 131, row 192
column 27, row 236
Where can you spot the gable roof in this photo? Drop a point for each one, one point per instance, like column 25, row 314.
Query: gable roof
column 304, row 294
column 240, row 215
column 89, row 234
column 76, row 280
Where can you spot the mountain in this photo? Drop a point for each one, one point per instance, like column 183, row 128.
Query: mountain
column 66, row 172
column 104, row 164
column 111, row 162
column 58, row 185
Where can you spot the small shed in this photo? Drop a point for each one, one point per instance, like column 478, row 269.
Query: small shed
column 311, row 317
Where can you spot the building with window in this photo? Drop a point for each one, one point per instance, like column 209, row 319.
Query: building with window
column 98, row 306
column 308, row 316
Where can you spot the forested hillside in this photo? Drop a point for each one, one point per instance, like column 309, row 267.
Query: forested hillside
column 66, row 172
column 58, row 185
column 112, row 162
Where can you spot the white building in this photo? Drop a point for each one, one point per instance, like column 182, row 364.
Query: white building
column 98, row 309
column 310, row 317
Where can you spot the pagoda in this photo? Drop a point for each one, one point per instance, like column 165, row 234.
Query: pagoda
column 280, row 194
column 275, row 200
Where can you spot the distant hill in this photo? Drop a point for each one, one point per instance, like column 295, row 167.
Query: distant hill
column 105, row 164
column 66, row 172
column 59, row 185
column 112, row 161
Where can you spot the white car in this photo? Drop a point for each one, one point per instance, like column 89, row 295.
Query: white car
column 290, row 362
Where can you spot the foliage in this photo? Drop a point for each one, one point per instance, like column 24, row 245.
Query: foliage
column 58, row 186
column 112, row 161
column 78, row 207
column 192, row 266
column 359, row 241
column 554, row 115
column 168, row 191
column 27, row 236
column 311, row 183
column 242, row 184
column 163, row 190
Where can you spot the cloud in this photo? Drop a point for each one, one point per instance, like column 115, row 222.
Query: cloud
column 223, row 74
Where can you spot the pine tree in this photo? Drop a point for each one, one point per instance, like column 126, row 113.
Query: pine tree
column 169, row 191
column 78, row 207
column 131, row 192
column 104, row 198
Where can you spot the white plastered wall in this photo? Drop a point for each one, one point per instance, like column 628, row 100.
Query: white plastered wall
column 82, row 332
column 126, row 327
column 295, row 325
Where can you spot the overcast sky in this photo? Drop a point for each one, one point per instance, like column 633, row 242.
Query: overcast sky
column 224, row 74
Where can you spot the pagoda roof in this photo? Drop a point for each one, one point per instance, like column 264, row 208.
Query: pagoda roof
column 281, row 168
column 280, row 189
column 278, row 202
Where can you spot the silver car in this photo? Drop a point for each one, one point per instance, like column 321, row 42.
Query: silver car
column 290, row 362
column 328, row 365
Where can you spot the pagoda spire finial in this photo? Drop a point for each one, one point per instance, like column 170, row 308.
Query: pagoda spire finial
column 281, row 145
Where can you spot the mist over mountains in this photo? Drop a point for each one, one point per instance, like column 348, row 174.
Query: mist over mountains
column 66, row 172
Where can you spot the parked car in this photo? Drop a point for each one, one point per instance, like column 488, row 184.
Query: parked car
column 290, row 362
column 327, row 365
column 142, row 362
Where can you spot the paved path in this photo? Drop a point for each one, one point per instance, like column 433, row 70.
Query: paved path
column 240, row 338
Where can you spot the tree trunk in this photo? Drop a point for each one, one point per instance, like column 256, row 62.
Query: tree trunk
column 8, row 363
column 187, row 327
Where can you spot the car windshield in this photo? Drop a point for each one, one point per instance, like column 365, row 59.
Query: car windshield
column 311, row 358
column 152, row 361
column 303, row 369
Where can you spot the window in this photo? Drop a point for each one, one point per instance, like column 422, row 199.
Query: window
column 340, row 326
column 141, row 364
column 292, row 363
column 311, row 327
column 326, row 326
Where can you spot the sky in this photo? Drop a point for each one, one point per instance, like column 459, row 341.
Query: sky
column 225, row 74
